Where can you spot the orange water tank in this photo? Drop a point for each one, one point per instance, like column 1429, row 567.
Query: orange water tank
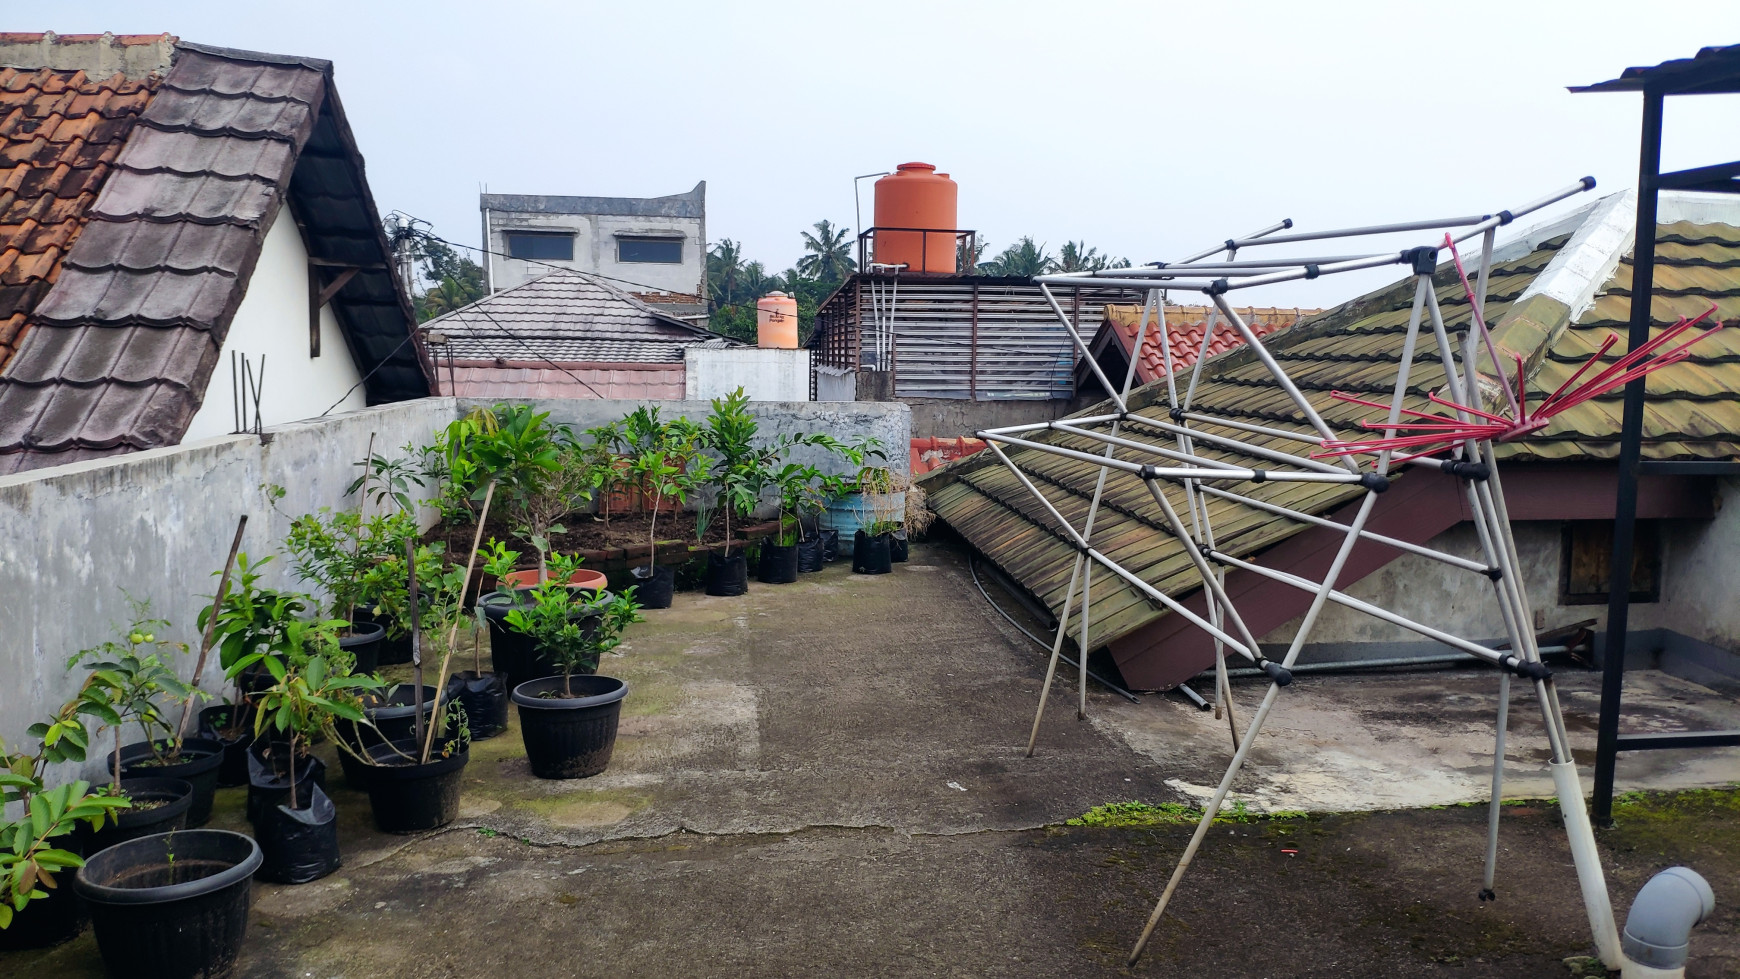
column 916, row 196
column 776, row 321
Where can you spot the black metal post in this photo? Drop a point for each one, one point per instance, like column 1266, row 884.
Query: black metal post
column 1630, row 451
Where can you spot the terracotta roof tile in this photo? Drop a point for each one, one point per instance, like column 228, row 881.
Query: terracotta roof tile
column 60, row 131
column 1185, row 328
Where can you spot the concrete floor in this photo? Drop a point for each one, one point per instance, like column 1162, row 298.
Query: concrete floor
column 827, row 779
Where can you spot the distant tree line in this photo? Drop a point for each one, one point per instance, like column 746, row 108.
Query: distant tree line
column 733, row 284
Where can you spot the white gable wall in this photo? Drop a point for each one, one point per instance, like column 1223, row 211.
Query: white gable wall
column 273, row 321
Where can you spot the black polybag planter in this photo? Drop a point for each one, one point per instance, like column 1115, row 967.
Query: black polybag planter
column 298, row 845
column 171, row 919
column 364, row 643
column 809, row 553
column 130, row 824
column 269, row 781
column 653, row 586
column 408, row 797
column 57, row 918
column 830, row 545
column 201, row 759
column 215, row 723
column 485, row 699
column 727, row 576
column 870, row 554
column 570, row 737
column 897, row 547
column 514, row 654
column 778, row 564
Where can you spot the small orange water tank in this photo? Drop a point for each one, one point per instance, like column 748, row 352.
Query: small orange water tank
column 776, row 321
column 916, row 196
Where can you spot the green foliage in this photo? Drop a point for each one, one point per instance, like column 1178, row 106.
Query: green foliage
column 28, row 858
column 390, row 478
column 555, row 617
column 665, row 462
column 1076, row 256
column 1023, row 259
column 827, row 253
column 342, row 554
column 1124, row 815
column 455, row 279
column 128, row 681
column 306, row 700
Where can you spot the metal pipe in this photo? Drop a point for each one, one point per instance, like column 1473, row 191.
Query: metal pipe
column 1432, row 224
column 1494, row 803
column 1354, row 666
column 973, row 568
column 1041, row 426
column 1251, row 427
column 1245, row 448
column 1228, row 245
column 1193, row 697
column 1135, row 469
column 1376, row 538
column 1280, row 375
column 1081, row 345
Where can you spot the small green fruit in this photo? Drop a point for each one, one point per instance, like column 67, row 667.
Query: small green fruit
column 136, row 638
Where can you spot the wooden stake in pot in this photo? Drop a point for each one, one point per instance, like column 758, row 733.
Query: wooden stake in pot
column 217, row 604
column 453, row 632
column 416, row 638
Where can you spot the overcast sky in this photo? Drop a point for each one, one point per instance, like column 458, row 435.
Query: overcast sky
column 1148, row 130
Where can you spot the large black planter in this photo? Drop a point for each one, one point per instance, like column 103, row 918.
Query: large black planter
column 364, row 642
column 393, row 718
column 485, row 699
column 897, row 548
column 727, row 576
column 830, row 545
column 171, row 906
column 870, row 554
column 215, row 722
column 170, row 799
column 408, row 797
column 810, row 555
column 653, row 586
column 570, row 737
column 201, row 758
column 301, row 844
column 778, row 564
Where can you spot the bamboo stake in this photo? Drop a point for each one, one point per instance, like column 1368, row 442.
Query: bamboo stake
column 453, row 632
column 416, row 638
column 362, row 510
column 217, row 604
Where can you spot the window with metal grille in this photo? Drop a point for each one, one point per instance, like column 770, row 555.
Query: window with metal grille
column 1587, row 565
column 541, row 245
column 663, row 251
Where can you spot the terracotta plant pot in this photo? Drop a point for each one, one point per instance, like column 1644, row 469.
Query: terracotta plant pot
column 529, row 579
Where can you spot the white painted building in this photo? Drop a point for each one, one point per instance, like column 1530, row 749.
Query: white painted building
column 652, row 247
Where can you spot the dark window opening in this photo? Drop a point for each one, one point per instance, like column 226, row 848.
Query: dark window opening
column 541, row 246
column 664, row 251
column 1585, row 571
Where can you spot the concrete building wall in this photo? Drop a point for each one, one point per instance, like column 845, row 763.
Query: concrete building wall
column 76, row 540
column 595, row 240
column 764, row 374
column 272, row 322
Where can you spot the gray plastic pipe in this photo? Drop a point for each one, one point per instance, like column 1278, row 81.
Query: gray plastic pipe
column 1659, row 927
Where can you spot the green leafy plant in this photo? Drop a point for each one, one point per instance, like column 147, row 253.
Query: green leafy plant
column 605, row 469
column 28, row 856
column 667, row 463
column 306, row 700
column 555, row 616
column 131, row 677
column 391, row 478
column 339, row 552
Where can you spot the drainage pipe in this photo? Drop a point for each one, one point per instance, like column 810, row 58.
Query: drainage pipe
column 1659, row 927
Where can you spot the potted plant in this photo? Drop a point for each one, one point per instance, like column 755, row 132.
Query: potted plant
column 334, row 552
column 880, row 509
column 38, row 908
column 730, row 435
column 779, row 553
column 134, row 671
column 171, row 904
column 568, row 722
column 280, row 759
column 667, row 466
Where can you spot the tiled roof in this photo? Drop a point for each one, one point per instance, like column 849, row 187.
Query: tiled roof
column 60, row 132
column 932, row 452
column 1185, row 329
column 1693, row 412
column 567, row 317
column 539, row 380
column 118, row 354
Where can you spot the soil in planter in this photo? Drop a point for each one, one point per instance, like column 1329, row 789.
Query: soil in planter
column 585, row 532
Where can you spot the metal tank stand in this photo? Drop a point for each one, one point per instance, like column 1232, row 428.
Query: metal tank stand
column 1183, row 466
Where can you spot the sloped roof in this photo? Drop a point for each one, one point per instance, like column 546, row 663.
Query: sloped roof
column 570, row 318
column 60, row 132
column 119, row 352
column 1694, row 412
column 1186, row 327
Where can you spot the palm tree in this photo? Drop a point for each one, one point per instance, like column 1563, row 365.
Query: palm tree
column 829, row 257
column 757, row 283
column 1023, row 259
column 444, row 297
column 724, row 272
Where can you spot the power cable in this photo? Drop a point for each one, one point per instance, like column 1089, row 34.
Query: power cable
column 972, row 566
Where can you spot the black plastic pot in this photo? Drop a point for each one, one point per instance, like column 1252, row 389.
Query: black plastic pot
column 391, row 651
column 201, row 758
column 653, row 586
column 364, row 642
column 176, row 796
column 169, row 918
column 215, row 723
column 809, row 556
column 269, row 781
column 897, row 547
column 570, row 737
column 299, row 845
column 408, row 797
column 514, row 655
column 870, row 554
column 778, row 564
column 485, row 699
column 830, row 545
column 393, row 718
column 60, row 916
column 726, row 576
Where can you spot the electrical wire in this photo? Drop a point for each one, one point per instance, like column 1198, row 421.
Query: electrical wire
column 972, row 566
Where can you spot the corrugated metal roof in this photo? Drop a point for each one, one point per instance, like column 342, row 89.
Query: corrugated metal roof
column 1694, row 412
column 120, row 351
column 570, row 318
